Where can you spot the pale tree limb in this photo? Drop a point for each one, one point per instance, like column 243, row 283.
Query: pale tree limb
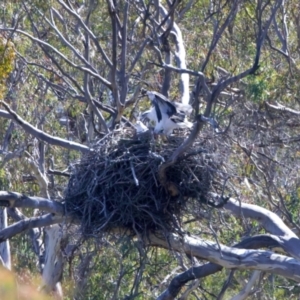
column 180, row 56
column 39, row 134
column 272, row 223
column 281, row 108
column 282, row 237
column 4, row 246
column 229, row 257
column 247, row 290
column 14, row 199
column 197, row 272
column 53, row 267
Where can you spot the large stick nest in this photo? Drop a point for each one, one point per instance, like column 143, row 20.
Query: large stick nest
column 117, row 185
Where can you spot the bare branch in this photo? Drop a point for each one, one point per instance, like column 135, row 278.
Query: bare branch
column 94, row 38
column 5, row 255
column 114, row 84
column 269, row 220
column 230, row 257
column 180, row 280
column 40, row 177
column 53, row 268
column 13, row 199
column 27, row 224
column 281, row 108
column 180, row 56
column 40, row 134
column 84, row 69
column 207, row 269
column 219, row 31
column 246, row 291
column 123, row 77
column 272, row 223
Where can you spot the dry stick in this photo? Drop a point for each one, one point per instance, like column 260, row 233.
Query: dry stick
column 133, row 173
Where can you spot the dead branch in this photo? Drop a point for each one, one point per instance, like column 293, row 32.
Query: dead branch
column 29, row 223
column 41, row 134
column 13, row 199
column 42, row 43
column 281, row 108
column 247, row 290
column 176, row 284
column 230, row 257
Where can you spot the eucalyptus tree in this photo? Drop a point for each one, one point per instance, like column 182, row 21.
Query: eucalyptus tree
column 78, row 72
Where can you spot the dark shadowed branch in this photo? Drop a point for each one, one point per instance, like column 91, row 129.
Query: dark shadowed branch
column 29, row 223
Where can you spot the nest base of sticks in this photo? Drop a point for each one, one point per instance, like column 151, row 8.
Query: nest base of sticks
column 117, row 185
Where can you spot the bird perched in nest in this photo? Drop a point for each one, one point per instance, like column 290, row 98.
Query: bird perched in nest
column 165, row 114
column 140, row 127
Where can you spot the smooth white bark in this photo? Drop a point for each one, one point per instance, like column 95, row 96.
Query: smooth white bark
column 4, row 246
column 229, row 257
column 53, row 267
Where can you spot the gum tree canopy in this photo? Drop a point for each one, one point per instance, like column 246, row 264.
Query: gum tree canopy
column 98, row 211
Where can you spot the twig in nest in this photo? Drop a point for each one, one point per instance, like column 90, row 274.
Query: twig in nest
column 133, row 173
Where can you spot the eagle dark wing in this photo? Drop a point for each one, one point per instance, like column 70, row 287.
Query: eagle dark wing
column 178, row 118
column 157, row 109
column 164, row 105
